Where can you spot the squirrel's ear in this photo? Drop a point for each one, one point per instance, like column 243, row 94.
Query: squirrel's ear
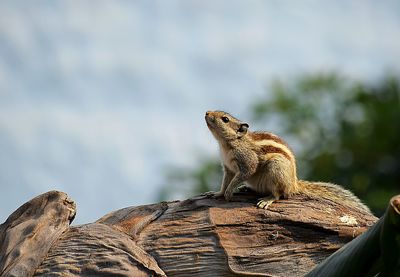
column 243, row 129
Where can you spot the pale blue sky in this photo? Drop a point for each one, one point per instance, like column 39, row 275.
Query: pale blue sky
column 97, row 98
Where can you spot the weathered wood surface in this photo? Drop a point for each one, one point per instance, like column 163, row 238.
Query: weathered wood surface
column 29, row 232
column 374, row 253
column 202, row 236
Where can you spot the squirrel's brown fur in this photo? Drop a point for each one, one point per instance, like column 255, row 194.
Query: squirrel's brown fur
column 265, row 163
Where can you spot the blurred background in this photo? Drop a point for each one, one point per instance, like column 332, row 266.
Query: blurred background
column 105, row 100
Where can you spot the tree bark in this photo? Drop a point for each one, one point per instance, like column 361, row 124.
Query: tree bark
column 28, row 233
column 374, row 253
column 200, row 236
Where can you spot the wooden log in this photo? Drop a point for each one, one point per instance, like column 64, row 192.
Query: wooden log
column 374, row 253
column 29, row 232
column 202, row 236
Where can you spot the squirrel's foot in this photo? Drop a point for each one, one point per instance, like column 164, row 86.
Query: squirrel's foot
column 264, row 203
column 213, row 194
column 218, row 194
column 228, row 195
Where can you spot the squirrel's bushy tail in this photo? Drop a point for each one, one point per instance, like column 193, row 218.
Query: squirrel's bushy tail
column 331, row 192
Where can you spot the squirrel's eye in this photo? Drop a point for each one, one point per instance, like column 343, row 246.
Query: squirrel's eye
column 225, row 119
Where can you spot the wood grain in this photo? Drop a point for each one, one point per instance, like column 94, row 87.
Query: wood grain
column 203, row 236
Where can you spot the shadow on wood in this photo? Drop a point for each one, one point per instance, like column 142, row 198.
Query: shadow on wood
column 200, row 236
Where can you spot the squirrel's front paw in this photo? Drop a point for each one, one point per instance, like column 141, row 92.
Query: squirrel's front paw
column 208, row 193
column 218, row 194
column 228, row 195
column 213, row 194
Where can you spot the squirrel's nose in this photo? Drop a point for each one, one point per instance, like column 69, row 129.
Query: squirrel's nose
column 208, row 113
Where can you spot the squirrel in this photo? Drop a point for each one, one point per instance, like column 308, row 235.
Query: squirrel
column 266, row 164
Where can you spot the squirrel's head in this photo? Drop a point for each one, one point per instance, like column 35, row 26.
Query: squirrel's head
column 225, row 127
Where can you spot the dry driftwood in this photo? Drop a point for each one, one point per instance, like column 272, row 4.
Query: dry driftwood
column 374, row 253
column 28, row 233
column 200, row 236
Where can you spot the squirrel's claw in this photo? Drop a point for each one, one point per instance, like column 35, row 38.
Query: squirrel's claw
column 264, row 203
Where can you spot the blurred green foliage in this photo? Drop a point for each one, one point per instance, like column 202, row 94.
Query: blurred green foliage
column 342, row 131
column 184, row 182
